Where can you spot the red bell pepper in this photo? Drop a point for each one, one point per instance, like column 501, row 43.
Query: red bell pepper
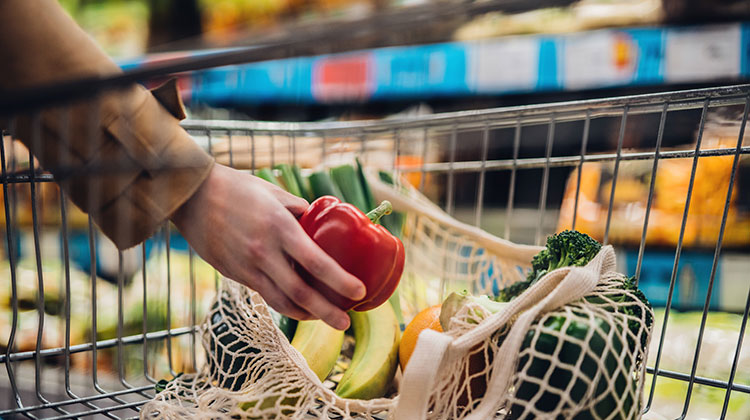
column 362, row 247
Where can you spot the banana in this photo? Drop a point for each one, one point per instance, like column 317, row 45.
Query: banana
column 319, row 344
column 377, row 335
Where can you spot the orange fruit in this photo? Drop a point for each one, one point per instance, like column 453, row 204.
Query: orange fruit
column 427, row 319
column 411, row 162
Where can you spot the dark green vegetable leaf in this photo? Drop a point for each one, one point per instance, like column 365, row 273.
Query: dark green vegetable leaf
column 347, row 180
column 303, row 184
column 321, row 184
column 369, row 199
column 267, row 174
column 289, row 179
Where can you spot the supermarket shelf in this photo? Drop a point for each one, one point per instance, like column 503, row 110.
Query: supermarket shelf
column 389, row 27
column 630, row 57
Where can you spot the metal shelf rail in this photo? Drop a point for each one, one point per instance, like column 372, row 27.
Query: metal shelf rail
column 653, row 56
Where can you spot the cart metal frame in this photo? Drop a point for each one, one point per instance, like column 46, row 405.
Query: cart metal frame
column 119, row 396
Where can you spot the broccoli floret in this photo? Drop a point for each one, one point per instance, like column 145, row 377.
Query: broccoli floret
column 567, row 248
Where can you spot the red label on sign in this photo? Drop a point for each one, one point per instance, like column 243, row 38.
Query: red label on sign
column 623, row 52
column 347, row 78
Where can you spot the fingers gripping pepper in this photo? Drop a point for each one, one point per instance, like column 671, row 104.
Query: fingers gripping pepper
column 362, row 247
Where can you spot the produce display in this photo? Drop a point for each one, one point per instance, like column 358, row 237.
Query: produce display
column 671, row 185
column 579, row 16
column 716, row 359
column 121, row 28
column 225, row 20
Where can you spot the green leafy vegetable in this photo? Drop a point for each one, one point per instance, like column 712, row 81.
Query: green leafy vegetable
column 567, row 248
column 303, row 184
column 347, row 180
column 321, row 184
column 289, row 179
column 367, row 192
column 267, row 174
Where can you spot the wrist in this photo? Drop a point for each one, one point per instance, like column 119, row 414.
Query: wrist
column 186, row 211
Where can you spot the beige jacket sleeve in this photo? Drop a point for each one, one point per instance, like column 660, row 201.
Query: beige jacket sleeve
column 121, row 157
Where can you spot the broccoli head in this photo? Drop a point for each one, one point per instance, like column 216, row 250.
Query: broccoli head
column 567, row 248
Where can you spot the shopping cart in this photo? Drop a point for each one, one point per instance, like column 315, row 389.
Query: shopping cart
column 110, row 325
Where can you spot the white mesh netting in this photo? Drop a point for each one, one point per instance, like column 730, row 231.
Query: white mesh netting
column 571, row 346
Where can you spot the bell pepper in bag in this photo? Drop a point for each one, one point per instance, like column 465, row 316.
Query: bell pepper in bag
column 362, row 247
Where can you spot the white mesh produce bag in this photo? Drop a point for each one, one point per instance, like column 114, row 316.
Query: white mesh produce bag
column 571, row 346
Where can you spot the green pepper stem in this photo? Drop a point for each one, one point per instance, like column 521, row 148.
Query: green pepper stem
column 384, row 208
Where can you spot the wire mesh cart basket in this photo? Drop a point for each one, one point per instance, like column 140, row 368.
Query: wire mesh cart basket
column 87, row 331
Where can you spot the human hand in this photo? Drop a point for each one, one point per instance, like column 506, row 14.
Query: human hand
column 247, row 229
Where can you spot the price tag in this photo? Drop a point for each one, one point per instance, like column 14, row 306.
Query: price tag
column 597, row 59
column 504, row 65
column 705, row 53
column 343, row 78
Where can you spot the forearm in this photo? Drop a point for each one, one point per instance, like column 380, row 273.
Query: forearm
column 122, row 156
